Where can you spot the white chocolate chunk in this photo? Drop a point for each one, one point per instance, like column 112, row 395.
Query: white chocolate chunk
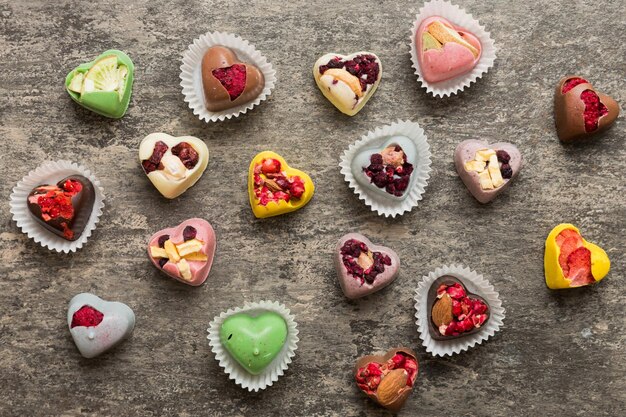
column 190, row 246
column 494, row 172
column 475, row 165
column 485, row 180
column 158, row 252
column 173, row 167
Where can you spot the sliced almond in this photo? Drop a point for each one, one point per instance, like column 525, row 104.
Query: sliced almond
column 445, row 34
column 343, row 75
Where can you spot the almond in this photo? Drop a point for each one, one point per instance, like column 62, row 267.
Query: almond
column 391, row 385
column 442, row 311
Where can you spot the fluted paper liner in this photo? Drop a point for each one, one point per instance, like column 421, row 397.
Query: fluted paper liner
column 191, row 74
column 457, row 17
column 475, row 283
column 381, row 204
column 280, row 363
column 51, row 173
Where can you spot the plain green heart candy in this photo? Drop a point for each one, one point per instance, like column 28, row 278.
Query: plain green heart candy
column 254, row 341
column 103, row 85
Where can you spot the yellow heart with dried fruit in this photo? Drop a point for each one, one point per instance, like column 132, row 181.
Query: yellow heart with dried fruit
column 570, row 261
column 274, row 188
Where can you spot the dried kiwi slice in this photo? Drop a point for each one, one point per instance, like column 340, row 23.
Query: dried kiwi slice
column 105, row 75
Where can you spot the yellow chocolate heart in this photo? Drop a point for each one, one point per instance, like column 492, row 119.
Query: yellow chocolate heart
column 261, row 207
column 555, row 279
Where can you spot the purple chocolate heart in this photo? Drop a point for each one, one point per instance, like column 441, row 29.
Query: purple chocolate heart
column 362, row 267
column 483, row 185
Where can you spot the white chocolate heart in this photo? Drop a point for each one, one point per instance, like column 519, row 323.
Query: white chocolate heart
column 338, row 90
column 117, row 324
column 174, row 178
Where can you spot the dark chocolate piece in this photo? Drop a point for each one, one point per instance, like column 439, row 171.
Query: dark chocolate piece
column 580, row 111
column 226, row 81
column 431, row 299
column 64, row 208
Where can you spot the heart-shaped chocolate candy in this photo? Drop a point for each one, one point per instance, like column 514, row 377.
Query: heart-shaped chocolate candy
column 445, row 51
column 453, row 311
column 173, row 164
column 387, row 170
column 103, row 85
column 254, row 341
column 570, row 261
column 228, row 82
column 487, row 170
column 97, row 325
column 64, row 208
column 348, row 81
column 387, row 379
column 275, row 188
column 184, row 252
column 362, row 267
column 581, row 111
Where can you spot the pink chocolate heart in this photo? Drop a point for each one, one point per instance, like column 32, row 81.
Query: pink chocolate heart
column 199, row 270
column 466, row 151
column 354, row 280
column 451, row 60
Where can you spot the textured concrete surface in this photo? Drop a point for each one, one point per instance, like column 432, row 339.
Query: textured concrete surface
column 558, row 354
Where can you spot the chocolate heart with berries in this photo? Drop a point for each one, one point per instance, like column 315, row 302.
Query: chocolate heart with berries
column 64, row 208
column 348, row 81
column 387, row 379
column 97, row 325
column 487, row 169
column 580, row 111
column 228, row 82
column 362, row 267
column 453, row 311
column 184, row 252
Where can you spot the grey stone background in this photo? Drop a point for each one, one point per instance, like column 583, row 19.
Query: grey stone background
column 558, row 353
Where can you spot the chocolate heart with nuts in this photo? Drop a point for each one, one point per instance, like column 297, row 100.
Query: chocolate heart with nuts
column 228, row 82
column 362, row 267
column 487, row 169
column 64, row 208
column 453, row 311
column 387, row 379
column 580, row 111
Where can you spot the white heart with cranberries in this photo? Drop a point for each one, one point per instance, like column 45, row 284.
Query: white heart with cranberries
column 97, row 325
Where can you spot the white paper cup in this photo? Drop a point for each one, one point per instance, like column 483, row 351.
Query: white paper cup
column 51, row 173
column 461, row 18
column 280, row 363
column 191, row 74
column 378, row 201
column 474, row 283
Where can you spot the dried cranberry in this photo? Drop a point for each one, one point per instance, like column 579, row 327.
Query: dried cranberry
column 189, row 233
column 503, row 156
column 506, row 171
column 187, row 154
column 162, row 240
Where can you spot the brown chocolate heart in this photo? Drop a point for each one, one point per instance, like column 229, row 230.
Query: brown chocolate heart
column 64, row 208
column 450, row 304
column 228, row 82
column 387, row 379
column 580, row 111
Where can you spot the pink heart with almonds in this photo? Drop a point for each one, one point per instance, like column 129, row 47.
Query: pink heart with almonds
column 184, row 252
column 362, row 267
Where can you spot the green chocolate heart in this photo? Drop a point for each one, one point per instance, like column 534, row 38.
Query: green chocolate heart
column 254, row 341
column 107, row 103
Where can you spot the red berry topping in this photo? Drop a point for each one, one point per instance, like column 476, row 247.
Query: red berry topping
column 233, row 79
column 86, row 316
